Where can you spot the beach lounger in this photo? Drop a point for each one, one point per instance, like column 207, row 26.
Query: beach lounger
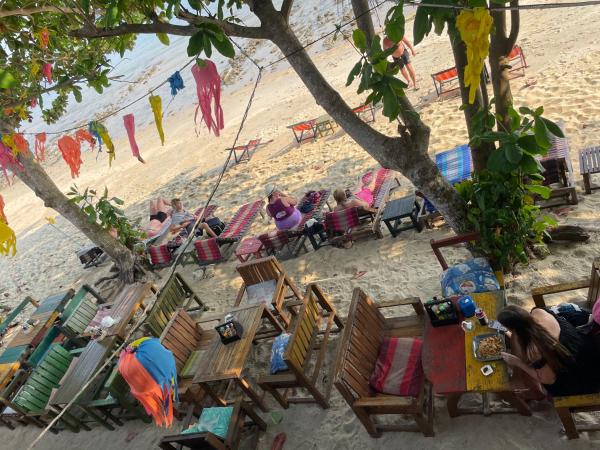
column 214, row 250
column 345, row 225
column 559, row 171
column 456, row 165
column 365, row 112
column 385, row 182
column 305, row 352
column 304, row 131
column 517, row 61
column 244, row 152
column 298, row 236
column 589, row 164
column 364, row 333
column 446, row 81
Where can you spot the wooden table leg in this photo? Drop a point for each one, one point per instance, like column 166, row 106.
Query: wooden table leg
column 245, row 386
column 212, row 394
column 568, row 423
column 518, row 403
column 452, row 404
column 587, row 183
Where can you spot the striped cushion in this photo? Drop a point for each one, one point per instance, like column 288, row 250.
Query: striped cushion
column 159, row 254
column 241, row 220
column 455, row 165
column 341, row 221
column 398, row 370
column 275, row 240
column 208, row 250
column 95, row 322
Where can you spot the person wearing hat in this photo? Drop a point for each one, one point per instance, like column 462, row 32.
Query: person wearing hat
column 282, row 208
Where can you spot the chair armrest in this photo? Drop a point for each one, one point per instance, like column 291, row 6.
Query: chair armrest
column 18, row 379
column 448, row 242
column 240, row 295
column 207, row 319
column 538, row 293
column 415, row 302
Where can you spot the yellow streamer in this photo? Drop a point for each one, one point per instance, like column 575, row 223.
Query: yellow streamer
column 103, row 132
column 35, row 69
column 156, row 105
column 8, row 240
column 474, row 27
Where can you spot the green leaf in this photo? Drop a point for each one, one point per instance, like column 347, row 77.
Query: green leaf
column 111, row 15
column 354, row 72
column 195, row 44
column 553, row 128
column 196, row 4
column 360, row 40
column 394, row 29
column 390, row 104
column 206, row 45
column 529, row 144
column 224, row 46
column 422, row 25
column 163, row 38
column 541, row 133
column 77, row 94
column 514, row 153
column 526, row 110
column 6, row 79
column 497, row 162
column 85, row 5
column 542, row 191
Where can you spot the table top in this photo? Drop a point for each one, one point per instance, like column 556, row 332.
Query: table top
column 128, row 300
column 249, row 245
column 399, row 207
column 81, row 370
column 224, row 362
column 448, row 359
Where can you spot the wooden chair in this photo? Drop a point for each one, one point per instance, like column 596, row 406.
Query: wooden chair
column 177, row 293
column 566, row 406
column 303, row 341
column 7, row 322
column 365, row 330
column 79, row 318
column 265, row 279
column 237, row 424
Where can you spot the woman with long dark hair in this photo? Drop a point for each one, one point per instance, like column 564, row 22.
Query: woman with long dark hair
column 551, row 351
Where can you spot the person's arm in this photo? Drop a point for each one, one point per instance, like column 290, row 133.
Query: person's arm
column 357, row 203
column 291, row 201
column 544, row 375
column 409, row 45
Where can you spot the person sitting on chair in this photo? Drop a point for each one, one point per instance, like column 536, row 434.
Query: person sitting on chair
column 282, row 208
column 345, row 199
column 184, row 220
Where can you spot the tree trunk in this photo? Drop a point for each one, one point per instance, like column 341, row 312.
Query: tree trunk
column 481, row 153
column 364, row 21
column 406, row 154
column 36, row 178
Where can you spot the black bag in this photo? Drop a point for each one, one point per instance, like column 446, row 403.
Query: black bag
column 216, row 224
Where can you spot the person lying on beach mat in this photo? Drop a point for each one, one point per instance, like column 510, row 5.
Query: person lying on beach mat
column 182, row 219
column 160, row 209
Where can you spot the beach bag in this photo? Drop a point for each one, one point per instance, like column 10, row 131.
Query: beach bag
column 309, row 201
column 469, row 277
column 216, row 224
column 277, row 350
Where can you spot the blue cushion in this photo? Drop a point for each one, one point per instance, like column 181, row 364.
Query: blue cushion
column 279, row 345
column 472, row 276
column 213, row 420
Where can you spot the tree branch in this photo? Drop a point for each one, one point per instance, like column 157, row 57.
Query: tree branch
column 134, row 28
column 515, row 22
column 230, row 29
column 57, row 86
column 36, row 10
column 286, row 9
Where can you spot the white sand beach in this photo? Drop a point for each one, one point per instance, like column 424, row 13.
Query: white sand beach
column 562, row 48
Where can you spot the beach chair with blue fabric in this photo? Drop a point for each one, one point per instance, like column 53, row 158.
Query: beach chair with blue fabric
column 456, row 165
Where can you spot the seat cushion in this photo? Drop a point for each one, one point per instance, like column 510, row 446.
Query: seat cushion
column 212, row 420
column 261, row 293
column 472, row 276
column 398, row 370
column 159, row 254
column 277, row 350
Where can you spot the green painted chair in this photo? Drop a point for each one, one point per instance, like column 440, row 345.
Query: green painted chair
column 15, row 312
column 79, row 318
column 176, row 294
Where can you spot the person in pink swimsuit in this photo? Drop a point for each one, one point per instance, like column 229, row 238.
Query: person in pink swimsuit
column 282, row 208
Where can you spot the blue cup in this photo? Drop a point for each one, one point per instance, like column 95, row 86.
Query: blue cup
column 467, row 306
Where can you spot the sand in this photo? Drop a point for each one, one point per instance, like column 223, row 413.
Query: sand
column 563, row 51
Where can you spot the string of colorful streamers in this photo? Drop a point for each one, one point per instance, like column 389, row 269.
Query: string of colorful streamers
column 47, row 72
column 84, row 135
column 208, row 88
column 129, row 122
column 71, row 153
column 149, row 370
column 101, row 133
column 175, row 83
column 44, row 37
column 92, row 127
column 8, row 161
column 16, row 142
column 8, row 239
column 40, row 147
column 156, row 105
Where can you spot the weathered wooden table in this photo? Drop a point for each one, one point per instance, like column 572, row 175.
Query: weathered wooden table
column 589, row 164
column 226, row 362
column 398, row 209
column 449, row 363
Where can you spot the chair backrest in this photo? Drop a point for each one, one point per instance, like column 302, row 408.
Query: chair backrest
column 15, row 312
column 33, row 396
column 181, row 336
column 253, row 144
column 241, row 220
column 342, row 220
column 445, row 75
column 260, row 270
column 316, row 209
column 205, row 213
column 456, row 164
column 173, row 295
column 306, row 324
column 274, row 240
column 79, row 318
column 594, row 290
column 359, row 347
column 54, row 302
column 41, row 349
column 208, row 250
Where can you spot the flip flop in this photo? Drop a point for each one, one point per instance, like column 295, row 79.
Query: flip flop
column 358, row 274
column 279, row 441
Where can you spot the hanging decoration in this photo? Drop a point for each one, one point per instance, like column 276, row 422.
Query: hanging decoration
column 47, row 72
column 156, row 105
column 100, row 132
column 8, row 240
column 35, row 69
column 16, row 142
column 208, row 87
column 129, row 122
column 84, row 135
column 176, row 83
column 71, row 153
column 2, row 215
column 40, row 147
column 474, row 27
column 8, row 161
column 93, row 129
column 44, row 37
column 149, row 370
column 33, row 102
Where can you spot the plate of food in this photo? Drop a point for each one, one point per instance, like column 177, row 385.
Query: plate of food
column 487, row 347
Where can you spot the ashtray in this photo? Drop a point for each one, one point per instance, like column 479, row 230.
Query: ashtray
column 490, row 342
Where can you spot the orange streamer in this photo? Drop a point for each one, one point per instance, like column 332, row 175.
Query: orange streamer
column 84, row 135
column 71, row 153
column 40, row 147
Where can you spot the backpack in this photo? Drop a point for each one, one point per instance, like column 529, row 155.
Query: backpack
column 216, row 224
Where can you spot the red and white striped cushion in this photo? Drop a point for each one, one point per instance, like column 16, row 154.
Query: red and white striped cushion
column 208, row 250
column 341, row 221
column 159, row 254
column 398, row 370
column 275, row 240
column 241, row 220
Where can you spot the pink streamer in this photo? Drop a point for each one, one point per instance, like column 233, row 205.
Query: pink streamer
column 208, row 87
column 129, row 122
column 8, row 161
column 47, row 72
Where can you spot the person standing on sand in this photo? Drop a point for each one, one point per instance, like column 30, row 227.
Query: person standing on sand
column 401, row 58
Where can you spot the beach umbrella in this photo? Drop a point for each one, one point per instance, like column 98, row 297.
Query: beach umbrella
column 149, row 369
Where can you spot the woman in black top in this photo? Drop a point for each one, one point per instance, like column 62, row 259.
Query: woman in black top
column 551, row 351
